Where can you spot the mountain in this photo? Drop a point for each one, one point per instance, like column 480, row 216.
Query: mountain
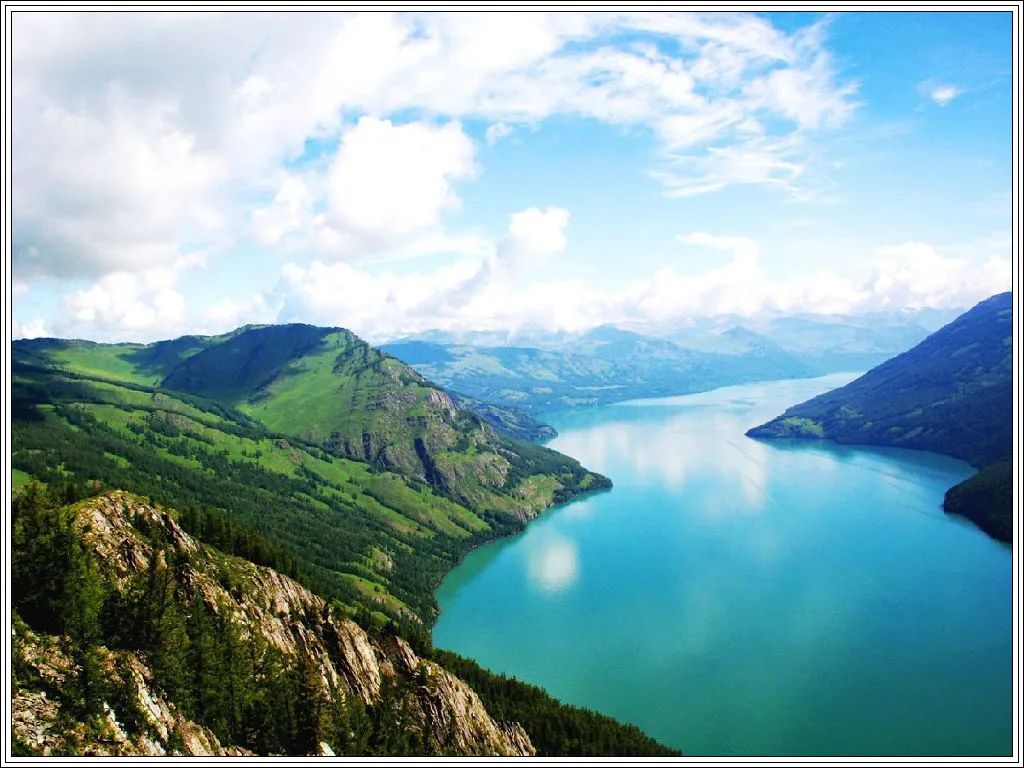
column 328, row 387
column 843, row 344
column 536, row 371
column 134, row 638
column 604, row 365
column 821, row 343
column 372, row 481
column 951, row 394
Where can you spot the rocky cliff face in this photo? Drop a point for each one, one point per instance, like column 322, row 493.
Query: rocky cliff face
column 132, row 539
column 141, row 723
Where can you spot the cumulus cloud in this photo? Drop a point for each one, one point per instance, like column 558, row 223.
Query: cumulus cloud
column 388, row 185
column 99, row 192
column 456, row 294
column 228, row 314
column 140, row 305
column 468, row 295
column 34, row 329
column 388, row 181
column 534, row 235
column 290, row 211
column 915, row 275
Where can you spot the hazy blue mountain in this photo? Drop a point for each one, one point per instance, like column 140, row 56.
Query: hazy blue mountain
column 822, row 343
column 606, row 364
column 847, row 345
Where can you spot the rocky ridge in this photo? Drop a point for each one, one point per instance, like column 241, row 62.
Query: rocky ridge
column 131, row 538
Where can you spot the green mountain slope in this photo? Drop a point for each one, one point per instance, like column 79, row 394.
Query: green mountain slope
column 328, row 387
column 426, row 480
column 951, row 394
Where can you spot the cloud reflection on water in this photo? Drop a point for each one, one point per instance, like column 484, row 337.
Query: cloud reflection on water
column 553, row 562
column 682, row 447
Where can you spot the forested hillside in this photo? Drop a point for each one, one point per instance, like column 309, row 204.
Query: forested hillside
column 374, row 490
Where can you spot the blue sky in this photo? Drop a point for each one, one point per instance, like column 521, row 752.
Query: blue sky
column 395, row 173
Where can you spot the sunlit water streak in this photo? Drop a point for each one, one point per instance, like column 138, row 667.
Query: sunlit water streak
column 733, row 596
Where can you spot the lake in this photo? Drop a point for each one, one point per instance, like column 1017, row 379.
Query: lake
column 741, row 597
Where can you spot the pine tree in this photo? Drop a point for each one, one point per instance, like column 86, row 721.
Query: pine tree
column 80, row 607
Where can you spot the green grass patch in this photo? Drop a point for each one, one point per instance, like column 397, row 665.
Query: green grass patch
column 19, row 479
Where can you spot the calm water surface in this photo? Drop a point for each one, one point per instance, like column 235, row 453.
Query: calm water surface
column 738, row 597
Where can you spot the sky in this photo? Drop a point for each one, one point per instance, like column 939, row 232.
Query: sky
column 392, row 173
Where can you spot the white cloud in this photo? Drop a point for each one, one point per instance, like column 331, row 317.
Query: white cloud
column 759, row 161
column 122, row 190
column 944, row 94
column 140, row 306
column 915, row 275
column 128, row 166
column 460, row 293
column 496, row 132
column 228, row 314
column 389, row 181
column 349, row 130
column 290, row 211
column 534, row 235
column 33, row 329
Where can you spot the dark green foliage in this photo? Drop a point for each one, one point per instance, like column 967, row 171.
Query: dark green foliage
column 232, row 370
column 272, row 504
column 235, row 684
column 217, row 530
column 986, row 499
column 556, row 729
column 535, row 460
column 392, row 723
column 57, row 588
column 80, row 608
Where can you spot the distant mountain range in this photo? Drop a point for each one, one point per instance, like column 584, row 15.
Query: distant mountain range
column 951, row 394
column 610, row 364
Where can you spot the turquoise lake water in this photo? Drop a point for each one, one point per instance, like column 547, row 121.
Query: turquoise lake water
column 741, row 597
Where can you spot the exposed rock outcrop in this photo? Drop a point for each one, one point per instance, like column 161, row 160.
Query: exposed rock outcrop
column 38, row 719
column 131, row 536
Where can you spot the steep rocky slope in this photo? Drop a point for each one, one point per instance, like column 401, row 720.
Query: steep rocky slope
column 136, row 544
column 142, row 723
